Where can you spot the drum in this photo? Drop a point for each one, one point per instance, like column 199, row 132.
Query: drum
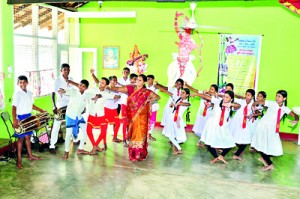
column 61, row 113
column 32, row 123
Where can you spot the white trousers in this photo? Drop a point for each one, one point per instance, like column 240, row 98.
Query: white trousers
column 54, row 133
column 69, row 135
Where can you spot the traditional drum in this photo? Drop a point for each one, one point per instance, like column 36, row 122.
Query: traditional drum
column 61, row 113
column 33, row 122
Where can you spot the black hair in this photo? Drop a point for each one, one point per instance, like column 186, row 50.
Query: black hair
column 188, row 112
column 231, row 94
column 85, row 82
column 144, row 78
column 106, row 80
column 215, row 86
column 150, row 76
column 181, row 81
column 230, row 85
column 64, row 65
column 126, row 68
column 263, row 93
column 252, row 92
column 22, row 77
column 284, row 94
column 112, row 77
column 133, row 75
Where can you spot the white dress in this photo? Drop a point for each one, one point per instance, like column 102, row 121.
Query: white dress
column 171, row 129
column 241, row 135
column 168, row 110
column 215, row 135
column 200, row 119
column 254, row 122
column 265, row 138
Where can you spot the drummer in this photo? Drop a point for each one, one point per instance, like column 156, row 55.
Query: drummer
column 59, row 100
column 22, row 106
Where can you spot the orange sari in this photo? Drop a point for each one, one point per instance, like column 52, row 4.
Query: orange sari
column 138, row 116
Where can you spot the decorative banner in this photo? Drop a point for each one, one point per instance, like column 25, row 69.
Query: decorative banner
column 293, row 5
column 239, row 57
column 41, row 82
column 2, row 100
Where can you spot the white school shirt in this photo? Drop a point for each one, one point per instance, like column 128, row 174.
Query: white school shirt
column 155, row 105
column 76, row 104
column 97, row 108
column 23, row 101
column 111, row 103
column 61, row 99
column 123, row 99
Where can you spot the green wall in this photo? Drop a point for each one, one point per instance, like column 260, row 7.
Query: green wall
column 152, row 30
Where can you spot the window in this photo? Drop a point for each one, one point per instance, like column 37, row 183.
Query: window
column 39, row 31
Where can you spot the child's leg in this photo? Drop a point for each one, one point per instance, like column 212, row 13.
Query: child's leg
column 175, row 143
column 266, row 158
column 83, row 127
column 89, row 130
column 54, row 133
column 124, row 120
column 67, row 139
column 28, row 146
column 212, row 151
column 241, row 148
column 225, row 151
column 19, row 151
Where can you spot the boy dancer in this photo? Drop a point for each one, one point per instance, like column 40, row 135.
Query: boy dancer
column 61, row 101
column 74, row 118
column 22, row 106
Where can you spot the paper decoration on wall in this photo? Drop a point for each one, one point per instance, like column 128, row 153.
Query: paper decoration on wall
column 182, row 66
column 41, row 82
column 136, row 62
column 293, row 5
column 2, row 100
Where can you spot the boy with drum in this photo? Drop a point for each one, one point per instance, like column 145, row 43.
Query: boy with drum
column 22, row 106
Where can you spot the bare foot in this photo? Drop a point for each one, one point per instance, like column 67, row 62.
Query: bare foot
column 93, row 151
column 199, row 144
column 19, row 165
column 178, row 152
column 81, row 151
column 66, row 155
column 267, row 168
column 214, row 161
column 31, row 158
column 221, row 158
column 263, row 161
column 99, row 149
column 237, row 158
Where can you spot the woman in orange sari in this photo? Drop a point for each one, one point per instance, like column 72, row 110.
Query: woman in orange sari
column 138, row 116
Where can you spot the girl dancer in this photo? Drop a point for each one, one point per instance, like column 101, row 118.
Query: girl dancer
column 174, row 129
column 216, row 133
column 240, row 123
column 204, row 110
column 266, row 138
column 175, row 96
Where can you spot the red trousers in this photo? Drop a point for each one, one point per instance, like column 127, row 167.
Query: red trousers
column 112, row 117
column 95, row 122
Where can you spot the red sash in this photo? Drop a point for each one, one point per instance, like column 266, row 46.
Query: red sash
column 222, row 116
column 176, row 113
column 278, row 120
column 245, row 117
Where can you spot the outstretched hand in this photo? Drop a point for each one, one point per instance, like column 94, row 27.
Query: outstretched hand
column 293, row 122
column 92, row 70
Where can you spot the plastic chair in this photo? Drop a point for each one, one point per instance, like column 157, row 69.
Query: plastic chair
column 8, row 123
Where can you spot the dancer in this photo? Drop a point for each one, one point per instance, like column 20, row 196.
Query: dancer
column 216, row 133
column 174, row 129
column 266, row 138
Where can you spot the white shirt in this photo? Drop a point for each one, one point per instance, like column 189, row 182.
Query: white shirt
column 123, row 99
column 23, row 101
column 76, row 104
column 61, row 99
column 111, row 103
column 155, row 105
column 97, row 108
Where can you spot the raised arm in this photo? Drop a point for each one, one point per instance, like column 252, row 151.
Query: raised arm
column 203, row 96
column 294, row 115
column 239, row 96
column 122, row 89
column 190, row 87
column 94, row 76
column 159, row 86
column 73, row 83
